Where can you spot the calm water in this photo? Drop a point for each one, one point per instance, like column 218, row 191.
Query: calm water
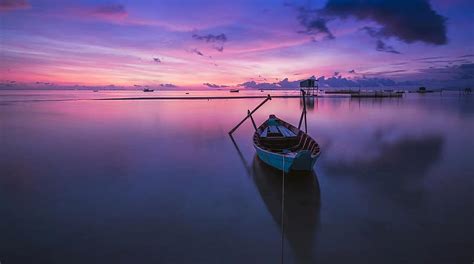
column 161, row 182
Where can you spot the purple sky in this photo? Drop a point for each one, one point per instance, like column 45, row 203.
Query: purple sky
column 216, row 43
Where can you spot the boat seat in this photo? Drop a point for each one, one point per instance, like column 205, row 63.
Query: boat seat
column 286, row 132
column 273, row 130
column 277, row 131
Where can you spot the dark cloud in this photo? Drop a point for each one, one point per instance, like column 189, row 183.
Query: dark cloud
column 466, row 56
column 462, row 72
column 211, row 38
column 255, row 85
column 211, row 85
column 168, row 85
column 157, row 60
column 8, row 5
column 198, row 52
column 373, row 32
column 407, row 20
column 218, row 40
column 336, row 73
column 445, row 76
column 285, row 83
column 352, row 71
column 381, row 46
column 313, row 24
column 111, row 9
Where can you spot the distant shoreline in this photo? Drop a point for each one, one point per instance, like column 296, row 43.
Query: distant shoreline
column 199, row 97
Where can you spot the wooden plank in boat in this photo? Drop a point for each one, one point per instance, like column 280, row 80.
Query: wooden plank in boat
column 286, row 132
column 273, row 130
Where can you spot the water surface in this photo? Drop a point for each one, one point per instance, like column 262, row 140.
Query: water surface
column 159, row 181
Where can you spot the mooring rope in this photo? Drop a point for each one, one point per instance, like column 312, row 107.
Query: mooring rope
column 282, row 211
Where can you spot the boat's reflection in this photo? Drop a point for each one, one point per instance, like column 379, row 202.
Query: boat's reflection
column 302, row 204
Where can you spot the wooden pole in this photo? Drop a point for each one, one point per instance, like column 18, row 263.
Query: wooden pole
column 253, row 121
column 250, row 114
column 304, row 109
column 303, row 114
column 301, row 120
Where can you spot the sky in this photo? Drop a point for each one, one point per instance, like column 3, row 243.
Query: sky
column 249, row 43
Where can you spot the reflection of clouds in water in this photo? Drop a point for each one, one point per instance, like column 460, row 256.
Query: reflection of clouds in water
column 359, row 133
column 400, row 166
column 396, row 157
column 302, row 205
column 366, row 144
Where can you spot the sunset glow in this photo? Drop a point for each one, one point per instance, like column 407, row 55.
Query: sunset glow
column 192, row 43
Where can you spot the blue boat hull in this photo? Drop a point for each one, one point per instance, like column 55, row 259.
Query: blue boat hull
column 303, row 161
column 285, row 147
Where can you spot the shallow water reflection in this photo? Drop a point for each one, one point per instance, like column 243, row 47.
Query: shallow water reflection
column 161, row 182
column 402, row 165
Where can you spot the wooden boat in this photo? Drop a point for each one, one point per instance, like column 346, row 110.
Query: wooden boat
column 234, row 90
column 148, row 90
column 284, row 146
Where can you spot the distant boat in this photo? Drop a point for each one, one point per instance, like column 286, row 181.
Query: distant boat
column 234, row 90
column 423, row 90
column 95, row 90
column 285, row 147
column 148, row 90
